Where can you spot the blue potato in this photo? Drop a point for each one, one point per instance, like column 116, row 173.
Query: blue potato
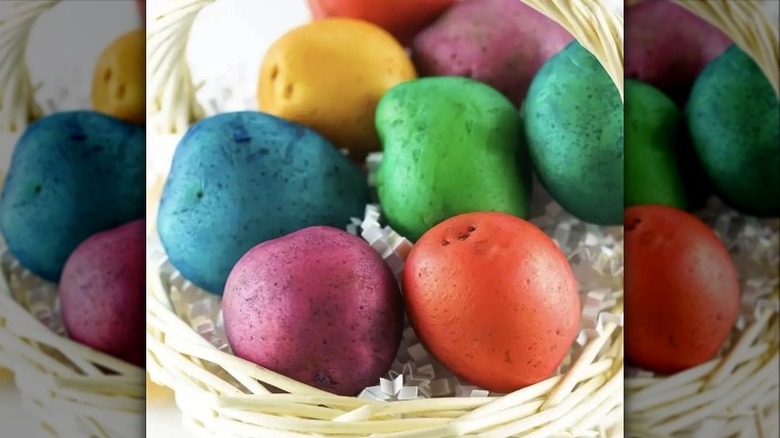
column 239, row 179
column 72, row 175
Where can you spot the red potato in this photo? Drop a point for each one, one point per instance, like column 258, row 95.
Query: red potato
column 667, row 46
column 682, row 290
column 318, row 305
column 102, row 292
column 493, row 298
column 402, row 18
column 499, row 42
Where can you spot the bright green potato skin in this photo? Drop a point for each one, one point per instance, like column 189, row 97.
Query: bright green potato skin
column 652, row 122
column 733, row 115
column 451, row 145
column 574, row 126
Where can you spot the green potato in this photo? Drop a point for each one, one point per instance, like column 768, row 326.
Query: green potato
column 733, row 115
column 451, row 145
column 652, row 125
column 574, row 125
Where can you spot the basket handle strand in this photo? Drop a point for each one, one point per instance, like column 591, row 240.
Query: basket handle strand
column 171, row 96
column 747, row 24
column 595, row 25
column 171, row 102
column 17, row 100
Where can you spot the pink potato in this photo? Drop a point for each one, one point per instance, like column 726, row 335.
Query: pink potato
column 667, row 46
column 318, row 305
column 499, row 42
column 102, row 292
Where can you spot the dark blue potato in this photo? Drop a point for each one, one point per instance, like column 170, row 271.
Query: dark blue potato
column 733, row 118
column 574, row 125
column 72, row 175
column 239, row 179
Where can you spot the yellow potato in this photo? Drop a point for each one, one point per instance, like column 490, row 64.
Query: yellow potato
column 329, row 75
column 119, row 82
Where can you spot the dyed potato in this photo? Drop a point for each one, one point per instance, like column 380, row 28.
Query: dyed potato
column 329, row 75
column 682, row 290
column 493, row 298
column 103, row 292
column 574, row 126
column 119, row 81
column 402, row 18
column 239, row 179
column 451, row 146
column 319, row 306
column 502, row 43
column 652, row 123
column 72, row 175
column 672, row 58
column 732, row 117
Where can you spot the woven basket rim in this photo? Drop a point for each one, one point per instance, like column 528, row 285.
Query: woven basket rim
column 172, row 341
column 34, row 354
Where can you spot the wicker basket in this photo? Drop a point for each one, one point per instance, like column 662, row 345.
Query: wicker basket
column 69, row 389
column 223, row 395
column 736, row 394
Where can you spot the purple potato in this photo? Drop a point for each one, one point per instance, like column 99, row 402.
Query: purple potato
column 667, row 46
column 318, row 305
column 102, row 292
column 499, row 42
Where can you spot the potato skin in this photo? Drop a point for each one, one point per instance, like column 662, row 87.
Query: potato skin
column 319, row 306
column 72, row 175
column 499, row 42
column 493, row 298
column 238, row 179
column 451, row 145
column 119, row 80
column 652, row 126
column 329, row 75
column 102, row 292
column 402, row 18
column 574, row 126
column 667, row 46
column 682, row 289
column 732, row 118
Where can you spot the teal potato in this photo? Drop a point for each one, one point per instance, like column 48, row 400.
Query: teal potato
column 72, row 174
column 452, row 145
column 239, row 179
column 733, row 115
column 652, row 123
column 574, row 125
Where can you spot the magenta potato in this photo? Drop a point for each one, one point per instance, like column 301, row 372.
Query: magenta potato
column 102, row 292
column 318, row 305
column 667, row 46
column 499, row 42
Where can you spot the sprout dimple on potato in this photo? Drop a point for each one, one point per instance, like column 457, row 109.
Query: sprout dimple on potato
column 119, row 82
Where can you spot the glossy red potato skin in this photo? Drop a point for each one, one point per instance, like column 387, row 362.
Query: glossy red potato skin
column 402, row 18
column 682, row 291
